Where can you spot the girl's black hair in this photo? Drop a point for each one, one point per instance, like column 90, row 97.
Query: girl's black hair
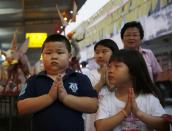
column 138, row 70
column 58, row 38
column 107, row 43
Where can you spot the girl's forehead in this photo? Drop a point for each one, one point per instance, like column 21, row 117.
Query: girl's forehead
column 115, row 61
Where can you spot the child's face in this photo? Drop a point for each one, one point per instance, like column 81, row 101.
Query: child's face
column 55, row 57
column 102, row 55
column 118, row 73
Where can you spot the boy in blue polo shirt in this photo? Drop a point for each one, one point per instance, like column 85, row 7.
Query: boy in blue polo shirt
column 58, row 96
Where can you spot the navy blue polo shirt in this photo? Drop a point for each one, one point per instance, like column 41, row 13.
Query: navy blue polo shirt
column 58, row 117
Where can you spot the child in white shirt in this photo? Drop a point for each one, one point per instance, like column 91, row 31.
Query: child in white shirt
column 134, row 104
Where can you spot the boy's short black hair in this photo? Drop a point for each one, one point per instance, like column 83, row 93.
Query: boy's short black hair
column 59, row 38
column 107, row 43
column 131, row 25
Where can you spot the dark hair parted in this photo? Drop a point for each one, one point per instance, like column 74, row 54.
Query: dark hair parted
column 107, row 43
column 132, row 24
column 138, row 70
column 58, row 38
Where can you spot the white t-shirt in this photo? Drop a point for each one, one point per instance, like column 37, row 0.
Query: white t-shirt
column 111, row 105
column 89, row 119
column 93, row 75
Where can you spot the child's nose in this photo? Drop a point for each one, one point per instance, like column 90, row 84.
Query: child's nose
column 54, row 55
column 100, row 55
column 109, row 71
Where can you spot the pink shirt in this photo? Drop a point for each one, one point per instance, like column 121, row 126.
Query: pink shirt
column 151, row 62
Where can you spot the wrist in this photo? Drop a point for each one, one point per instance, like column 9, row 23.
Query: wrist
column 139, row 114
column 98, row 86
column 50, row 98
column 65, row 99
column 62, row 94
column 124, row 113
column 101, row 83
column 127, row 111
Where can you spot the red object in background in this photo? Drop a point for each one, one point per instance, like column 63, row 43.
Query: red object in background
column 57, row 28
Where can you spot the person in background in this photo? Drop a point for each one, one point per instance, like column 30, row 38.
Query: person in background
column 84, row 64
column 133, row 104
column 84, row 67
column 132, row 34
column 38, row 67
column 103, row 50
column 74, row 64
column 58, row 96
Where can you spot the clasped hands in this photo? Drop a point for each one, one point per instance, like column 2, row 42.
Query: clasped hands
column 131, row 105
column 57, row 90
column 104, row 77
